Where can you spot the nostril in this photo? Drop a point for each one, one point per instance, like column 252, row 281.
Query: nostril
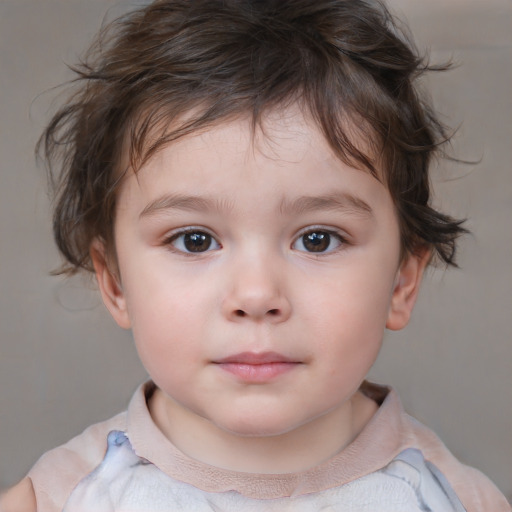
column 273, row 312
column 240, row 313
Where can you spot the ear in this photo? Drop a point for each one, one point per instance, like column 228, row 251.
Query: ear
column 109, row 284
column 405, row 292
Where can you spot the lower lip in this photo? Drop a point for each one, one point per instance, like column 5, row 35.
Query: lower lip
column 258, row 373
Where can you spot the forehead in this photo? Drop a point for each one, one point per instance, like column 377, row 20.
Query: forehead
column 285, row 129
column 283, row 158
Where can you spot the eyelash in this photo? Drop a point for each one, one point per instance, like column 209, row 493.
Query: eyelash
column 171, row 240
column 211, row 240
column 332, row 234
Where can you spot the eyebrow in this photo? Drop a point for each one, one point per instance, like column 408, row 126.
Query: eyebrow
column 342, row 201
column 339, row 201
column 181, row 202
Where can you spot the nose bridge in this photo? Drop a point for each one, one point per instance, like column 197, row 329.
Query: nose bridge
column 257, row 288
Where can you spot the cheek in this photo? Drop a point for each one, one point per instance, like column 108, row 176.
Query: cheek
column 167, row 316
column 167, row 349
column 348, row 321
column 158, row 295
column 355, row 303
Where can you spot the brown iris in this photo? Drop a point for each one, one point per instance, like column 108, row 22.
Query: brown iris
column 316, row 241
column 197, row 241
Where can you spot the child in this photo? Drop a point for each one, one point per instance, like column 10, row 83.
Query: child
column 249, row 182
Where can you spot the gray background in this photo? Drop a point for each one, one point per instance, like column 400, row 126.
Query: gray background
column 63, row 362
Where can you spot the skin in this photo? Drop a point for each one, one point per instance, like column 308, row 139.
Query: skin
column 20, row 498
column 257, row 288
column 257, row 284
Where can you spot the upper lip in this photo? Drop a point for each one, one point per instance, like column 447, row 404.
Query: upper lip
column 255, row 358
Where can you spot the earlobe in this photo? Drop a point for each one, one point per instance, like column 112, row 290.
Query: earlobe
column 405, row 292
column 109, row 285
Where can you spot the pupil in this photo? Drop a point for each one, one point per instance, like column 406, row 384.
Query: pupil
column 197, row 242
column 317, row 241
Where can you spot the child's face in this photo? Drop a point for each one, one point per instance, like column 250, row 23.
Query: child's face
column 258, row 275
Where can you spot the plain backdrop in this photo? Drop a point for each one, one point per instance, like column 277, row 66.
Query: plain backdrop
column 63, row 362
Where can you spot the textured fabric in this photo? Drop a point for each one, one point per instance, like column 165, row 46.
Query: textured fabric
column 394, row 456
column 125, row 482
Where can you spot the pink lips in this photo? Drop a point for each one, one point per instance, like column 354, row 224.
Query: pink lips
column 257, row 367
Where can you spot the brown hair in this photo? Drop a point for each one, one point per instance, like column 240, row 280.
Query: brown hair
column 211, row 60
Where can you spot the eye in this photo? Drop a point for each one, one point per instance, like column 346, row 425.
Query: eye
column 318, row 241
column 193, row 241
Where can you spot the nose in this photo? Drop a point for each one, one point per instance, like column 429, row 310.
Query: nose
column 256, row 292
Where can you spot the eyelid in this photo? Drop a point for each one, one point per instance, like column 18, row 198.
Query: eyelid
column 341, row 234
column 334, row 232
column 175, row 234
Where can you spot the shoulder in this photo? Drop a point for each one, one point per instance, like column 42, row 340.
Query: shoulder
column 476, row 492
column 58, row 471
column 20, row 498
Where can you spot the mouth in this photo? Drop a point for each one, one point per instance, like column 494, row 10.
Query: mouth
column 252, row 367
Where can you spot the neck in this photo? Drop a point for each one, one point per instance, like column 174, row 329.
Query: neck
column 297, row 450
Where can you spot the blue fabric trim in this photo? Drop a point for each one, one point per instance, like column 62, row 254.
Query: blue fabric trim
column 431, row 477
